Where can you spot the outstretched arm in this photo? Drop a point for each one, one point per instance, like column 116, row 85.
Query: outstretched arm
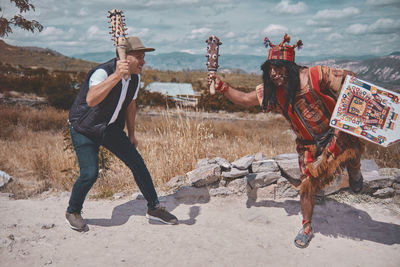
column 240, row 98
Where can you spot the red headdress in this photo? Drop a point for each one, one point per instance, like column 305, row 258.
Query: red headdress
column 282, row 51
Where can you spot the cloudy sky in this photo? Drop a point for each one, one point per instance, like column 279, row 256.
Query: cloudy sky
column 334, row 28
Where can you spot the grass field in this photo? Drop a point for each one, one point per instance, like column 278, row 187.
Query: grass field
column 35, row 147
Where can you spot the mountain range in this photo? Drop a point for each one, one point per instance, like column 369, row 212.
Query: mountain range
column 383, row 71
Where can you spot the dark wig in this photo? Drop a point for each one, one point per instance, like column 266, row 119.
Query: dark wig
column 293, row 83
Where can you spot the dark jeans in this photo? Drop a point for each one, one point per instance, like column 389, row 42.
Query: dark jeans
column 116, row 141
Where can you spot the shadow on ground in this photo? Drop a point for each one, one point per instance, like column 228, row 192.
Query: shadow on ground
column 121, row 213
column 332, row 218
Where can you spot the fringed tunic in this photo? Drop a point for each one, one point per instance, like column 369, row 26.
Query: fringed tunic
column 323, row 151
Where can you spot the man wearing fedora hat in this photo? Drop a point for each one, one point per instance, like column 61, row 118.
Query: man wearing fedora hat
column 306, row 97
column 104, row 104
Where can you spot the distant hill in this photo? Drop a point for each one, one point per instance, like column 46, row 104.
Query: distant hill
column 36, row 57
column 383, row 71
column 178, row 61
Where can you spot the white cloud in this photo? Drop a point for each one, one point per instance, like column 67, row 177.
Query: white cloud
column 83, row 12
column 286, row 7
column 142, row 32
column 275, row 30
column 357, row 29
column 52, row 31
column 385, row 26
column 93, row 32
column 323, row 30
column 199, row 33
column 184, row 25
column 189, row 51
column 336, row 13
column 311, row 22
column 334, row 36
column 230, row 35
column 381, row 26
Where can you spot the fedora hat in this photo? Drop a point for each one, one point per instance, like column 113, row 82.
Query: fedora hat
column 133, row 43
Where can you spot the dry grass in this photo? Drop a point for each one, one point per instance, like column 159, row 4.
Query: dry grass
column 32, row 147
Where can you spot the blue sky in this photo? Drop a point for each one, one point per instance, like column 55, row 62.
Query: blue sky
column 327, row 28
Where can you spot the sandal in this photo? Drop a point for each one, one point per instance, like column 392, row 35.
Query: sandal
column 303, row 237
column 356, row 186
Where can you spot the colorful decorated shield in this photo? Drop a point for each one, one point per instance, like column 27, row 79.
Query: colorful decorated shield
column 368, row 111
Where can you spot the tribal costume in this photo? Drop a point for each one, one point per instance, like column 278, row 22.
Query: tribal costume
column 323, row 151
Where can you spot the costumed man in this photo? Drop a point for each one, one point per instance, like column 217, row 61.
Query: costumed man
column 105, row 102
column 306, row 97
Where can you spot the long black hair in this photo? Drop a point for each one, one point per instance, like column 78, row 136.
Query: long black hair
column 292, row 85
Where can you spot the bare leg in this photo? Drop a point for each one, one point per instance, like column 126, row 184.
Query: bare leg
column 307, row 202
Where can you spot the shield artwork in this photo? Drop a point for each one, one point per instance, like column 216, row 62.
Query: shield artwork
column 367, row 111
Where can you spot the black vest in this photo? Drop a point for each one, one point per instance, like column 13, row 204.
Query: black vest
column 92, row 121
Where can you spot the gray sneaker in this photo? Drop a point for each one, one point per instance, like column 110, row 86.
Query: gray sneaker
column 76, row 221
column 162, row 215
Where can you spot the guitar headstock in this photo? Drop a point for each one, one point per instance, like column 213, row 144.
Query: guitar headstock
column 118, row 30
column 213, row 44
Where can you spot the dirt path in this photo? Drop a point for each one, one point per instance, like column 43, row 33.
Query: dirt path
column 215, row 232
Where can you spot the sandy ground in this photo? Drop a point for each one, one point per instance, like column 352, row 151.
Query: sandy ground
column 218, row 231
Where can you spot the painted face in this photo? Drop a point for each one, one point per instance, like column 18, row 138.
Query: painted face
column 278, row 75
column 136, row 61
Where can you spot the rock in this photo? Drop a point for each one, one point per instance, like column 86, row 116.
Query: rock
column 396, row 187
column 396, row 197
column 244, row 162
column 177, row 181
column 289, row 167
column 267, row 165
column 373, row 181
column 286, row 156
column 285, row 190
column 204, row 175
column 237, row 186
column 259, row 156
column 201, row 163
column 340, row 182
column 384, row 193
column 223, row 163
column 266, row 192
column 4, row 179
column 190, row 193
column 220, row 191
column 234, row 173
column 262, row 179
column 223, row 182
column 368, row 165
column 394, row 172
